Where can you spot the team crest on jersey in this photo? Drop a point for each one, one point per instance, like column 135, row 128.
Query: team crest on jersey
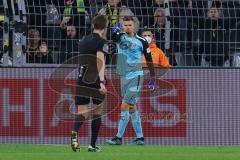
column 124, row 45
column 133, row 45
column 127, row 45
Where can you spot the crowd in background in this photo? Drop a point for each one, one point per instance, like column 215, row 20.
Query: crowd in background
column 189, row 32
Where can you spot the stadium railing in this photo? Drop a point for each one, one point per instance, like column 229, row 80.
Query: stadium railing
column 4, row 33
column 188, row 37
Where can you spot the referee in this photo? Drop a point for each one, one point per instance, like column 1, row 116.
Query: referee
column 90, row 83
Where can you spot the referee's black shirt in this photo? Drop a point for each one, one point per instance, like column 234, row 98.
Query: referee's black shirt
column 88, row 48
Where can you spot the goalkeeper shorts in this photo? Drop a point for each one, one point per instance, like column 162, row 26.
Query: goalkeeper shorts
column 131, row 89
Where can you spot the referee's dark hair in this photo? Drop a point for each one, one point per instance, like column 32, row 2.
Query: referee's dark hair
column 99, row 22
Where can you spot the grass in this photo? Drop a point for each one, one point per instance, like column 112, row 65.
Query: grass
column 147, row 152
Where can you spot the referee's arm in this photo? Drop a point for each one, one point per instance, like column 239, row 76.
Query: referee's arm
column 101, row 65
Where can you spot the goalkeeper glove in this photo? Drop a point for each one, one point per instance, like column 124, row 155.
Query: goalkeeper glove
column 116, row 28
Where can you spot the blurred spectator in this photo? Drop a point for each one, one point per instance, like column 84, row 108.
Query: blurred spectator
column 151, row 6
column 70, row 43
column 214, row 47
column 158, row 56
column 94, row 6
column 141, row 9
column 159, row 25
column 71, row 32
column 45, row 17
column 37, row 51
column 116, row 12
column 76, row 13
column 186, row 23
column 99, row 3
column 53, row 31
column 37, row 12
column 165, row 37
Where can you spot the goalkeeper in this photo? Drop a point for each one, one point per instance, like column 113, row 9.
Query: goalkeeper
column 129, row 67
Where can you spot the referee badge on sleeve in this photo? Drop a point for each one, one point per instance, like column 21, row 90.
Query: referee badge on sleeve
column 105, row 48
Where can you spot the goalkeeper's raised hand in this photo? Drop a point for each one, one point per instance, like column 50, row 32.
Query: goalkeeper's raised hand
column 116, row 28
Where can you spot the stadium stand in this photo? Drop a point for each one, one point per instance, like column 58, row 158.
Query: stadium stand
column 183, row 29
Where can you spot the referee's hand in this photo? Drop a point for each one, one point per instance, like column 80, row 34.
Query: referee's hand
column 102, row 89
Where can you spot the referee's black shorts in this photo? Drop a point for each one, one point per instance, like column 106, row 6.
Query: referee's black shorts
column 90, row 91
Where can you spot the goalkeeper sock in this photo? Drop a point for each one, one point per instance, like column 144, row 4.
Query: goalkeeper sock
column 123, row 123
column 79, row 119
column 96, row 123
column 137, row 125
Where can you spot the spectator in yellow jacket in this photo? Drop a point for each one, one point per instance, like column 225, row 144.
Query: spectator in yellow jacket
column 158, row 56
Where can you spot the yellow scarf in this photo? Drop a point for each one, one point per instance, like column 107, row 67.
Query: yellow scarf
column 113, row 15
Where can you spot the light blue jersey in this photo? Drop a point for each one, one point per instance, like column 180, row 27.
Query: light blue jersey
column 129, row 60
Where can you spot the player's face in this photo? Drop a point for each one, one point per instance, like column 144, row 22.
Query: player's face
column 128, row 27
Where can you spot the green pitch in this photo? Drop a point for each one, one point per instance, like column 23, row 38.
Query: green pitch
column 147, row 152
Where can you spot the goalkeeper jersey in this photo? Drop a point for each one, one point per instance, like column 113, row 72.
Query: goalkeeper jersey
column 129, row 55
